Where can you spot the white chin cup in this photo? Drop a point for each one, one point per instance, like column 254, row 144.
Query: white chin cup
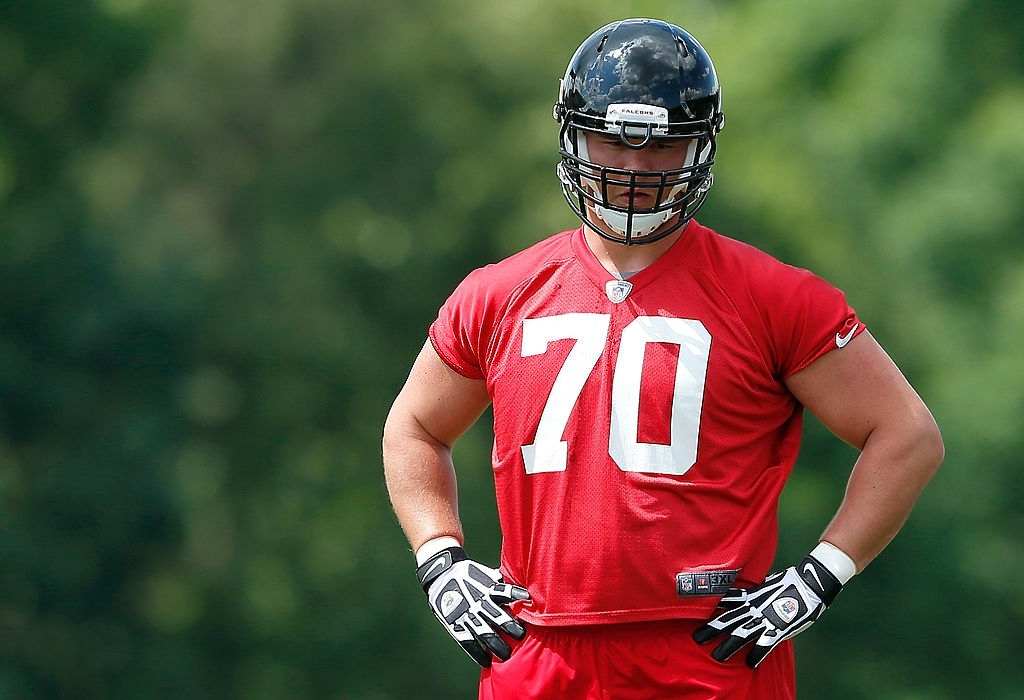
column 643, row 224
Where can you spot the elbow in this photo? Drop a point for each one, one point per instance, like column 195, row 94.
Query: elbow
column 394, row 451
column 390, row 436
column 404, row 431
column 928, row 442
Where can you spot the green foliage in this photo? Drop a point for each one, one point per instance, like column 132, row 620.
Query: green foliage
column 227, row 225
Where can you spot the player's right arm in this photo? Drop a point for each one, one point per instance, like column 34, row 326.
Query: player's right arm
column 433, row 409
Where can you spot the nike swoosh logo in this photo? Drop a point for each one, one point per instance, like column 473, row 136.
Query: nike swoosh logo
column 842, row 340
column 438, row 564
column 808, row 568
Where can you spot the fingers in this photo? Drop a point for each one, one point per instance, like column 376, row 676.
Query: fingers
column 491, row 610
column 477, row 652
column 513, row 629
column 734, row 597
column 734, row 602
column 482, row 644
column 483, row 621
column 705, row 634
column 498, row 646
column 498, row 618
column 756, row 628
column 505, row 593
column 496, row 590
column 463, row 633
column 730, row 646
column 487, row 638
column 742, row 626
column 723, row 624
column 768, row 641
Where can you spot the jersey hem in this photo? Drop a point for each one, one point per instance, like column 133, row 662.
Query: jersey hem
column 692, row 611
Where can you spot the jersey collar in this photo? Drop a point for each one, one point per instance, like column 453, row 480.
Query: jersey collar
column 673, row 258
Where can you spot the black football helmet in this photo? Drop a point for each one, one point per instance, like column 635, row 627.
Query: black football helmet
column 642, row 80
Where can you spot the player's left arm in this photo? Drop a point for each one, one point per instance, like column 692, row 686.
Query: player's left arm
column 862, row 397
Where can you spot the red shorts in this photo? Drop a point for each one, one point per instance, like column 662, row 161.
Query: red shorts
column 632, row 661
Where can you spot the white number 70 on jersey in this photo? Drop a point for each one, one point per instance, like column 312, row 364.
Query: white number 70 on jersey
column 549, row 452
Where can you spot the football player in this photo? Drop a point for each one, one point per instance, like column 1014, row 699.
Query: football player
column 647, row 377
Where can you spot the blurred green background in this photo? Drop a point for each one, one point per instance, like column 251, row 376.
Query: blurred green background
column 226, row 225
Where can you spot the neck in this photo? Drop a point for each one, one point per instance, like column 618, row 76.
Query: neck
column 626, row 260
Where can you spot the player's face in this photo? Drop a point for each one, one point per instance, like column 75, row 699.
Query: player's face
column 658, row 154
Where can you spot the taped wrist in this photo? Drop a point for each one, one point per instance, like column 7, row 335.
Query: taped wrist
column 435, row 545
column 835, row 560
column 439, row 563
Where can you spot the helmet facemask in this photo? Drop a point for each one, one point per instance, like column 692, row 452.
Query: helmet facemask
column 677, row 193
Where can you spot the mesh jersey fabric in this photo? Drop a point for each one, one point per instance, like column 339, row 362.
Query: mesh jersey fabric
column 634, row 441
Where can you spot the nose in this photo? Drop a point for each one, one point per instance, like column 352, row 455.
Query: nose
column 639, row 159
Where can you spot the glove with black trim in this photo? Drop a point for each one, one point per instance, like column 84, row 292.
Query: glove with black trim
column 786, row 604
column 467, row 597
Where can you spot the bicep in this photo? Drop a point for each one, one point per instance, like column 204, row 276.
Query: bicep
column 437, row 400
column 856, row 389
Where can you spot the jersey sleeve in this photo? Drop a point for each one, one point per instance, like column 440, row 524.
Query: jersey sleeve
column 806, row 318
column 459, row 334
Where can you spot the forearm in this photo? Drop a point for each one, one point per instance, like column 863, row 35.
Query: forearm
column 892, row 470
column 421, row 483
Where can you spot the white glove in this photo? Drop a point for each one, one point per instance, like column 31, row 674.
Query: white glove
column 786, row 604
column 466, row 597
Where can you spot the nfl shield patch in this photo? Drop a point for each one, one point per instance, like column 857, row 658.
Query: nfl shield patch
column 617, row 290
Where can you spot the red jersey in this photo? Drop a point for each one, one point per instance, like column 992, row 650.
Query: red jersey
column 642, row 430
